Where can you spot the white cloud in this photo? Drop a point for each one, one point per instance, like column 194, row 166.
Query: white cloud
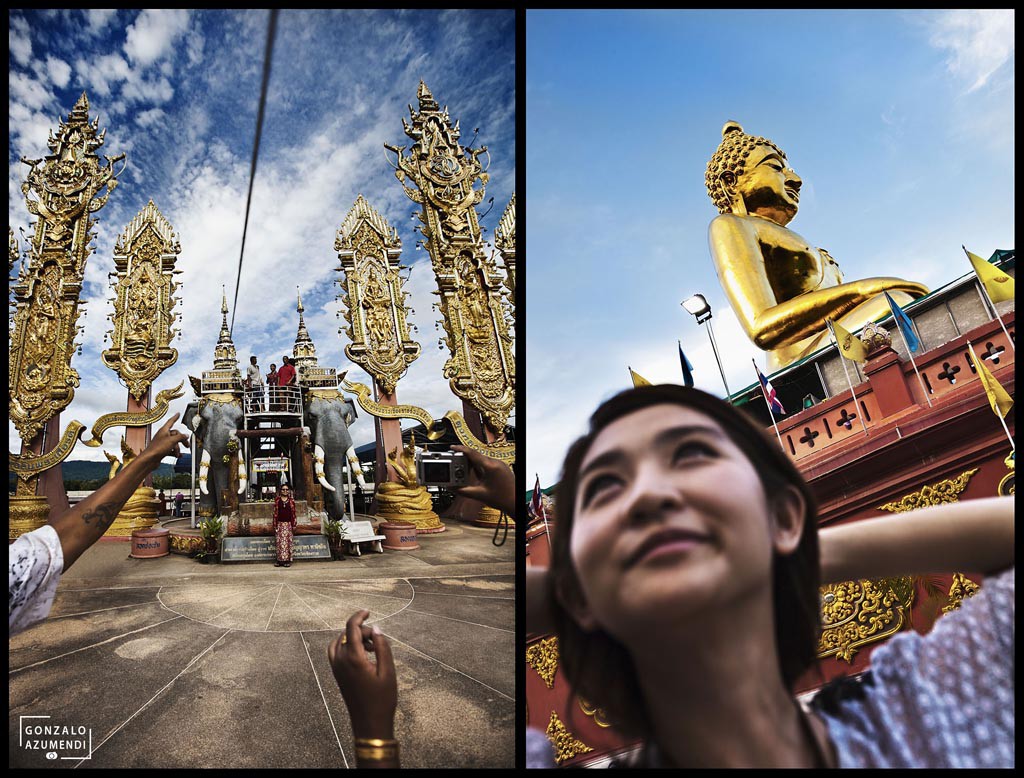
column 154, row 33
column 20, row 41
column 140, row 90
column 980, row 42
column 101, row 73
column 59, row 71
column 149, row 117
column 29, row 92
column 97, row 20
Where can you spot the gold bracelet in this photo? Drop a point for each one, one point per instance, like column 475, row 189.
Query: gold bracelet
column 375, row 749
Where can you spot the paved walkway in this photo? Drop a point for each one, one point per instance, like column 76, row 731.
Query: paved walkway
column 171, row 663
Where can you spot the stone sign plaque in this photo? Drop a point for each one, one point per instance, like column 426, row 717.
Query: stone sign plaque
column 261, row 549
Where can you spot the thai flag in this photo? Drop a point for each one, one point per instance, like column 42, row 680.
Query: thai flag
column 536, row 505
column 769, row 393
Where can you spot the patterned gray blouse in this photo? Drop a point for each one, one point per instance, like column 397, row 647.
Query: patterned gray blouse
column 36, row 562
column 944, row 699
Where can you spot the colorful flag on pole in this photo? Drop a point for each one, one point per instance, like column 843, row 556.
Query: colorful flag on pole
column 903, row 321
column 998, row 398
column 537, row 503
column 997, row 283
column 769, row 393
column 638, row 380
column 850, row 346
column 687, row 367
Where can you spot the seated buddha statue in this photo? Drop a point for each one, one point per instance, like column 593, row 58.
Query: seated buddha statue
column 781, row 288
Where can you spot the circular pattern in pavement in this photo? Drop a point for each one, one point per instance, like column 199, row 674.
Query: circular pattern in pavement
column 288, row 607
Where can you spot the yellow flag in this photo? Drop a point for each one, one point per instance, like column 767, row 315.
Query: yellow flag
column 850, row 346
column 1000, row 401
column 997, row 283
column 638, row 380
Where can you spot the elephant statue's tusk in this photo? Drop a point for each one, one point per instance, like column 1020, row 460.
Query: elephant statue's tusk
column 318, row 461
column 353, row 461
column 204, row 472
column 242, row 479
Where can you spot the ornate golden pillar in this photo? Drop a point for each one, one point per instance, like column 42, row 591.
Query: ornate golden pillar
column 477, row 318
column 144, row 259
column 505, row 242
column 68, row 183
column 369, row 249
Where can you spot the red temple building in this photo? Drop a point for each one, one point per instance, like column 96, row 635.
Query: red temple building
column 904, row 443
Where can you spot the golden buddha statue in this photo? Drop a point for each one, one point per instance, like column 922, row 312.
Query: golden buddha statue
column 142, row 510
column 781, row 288
column 406, row 499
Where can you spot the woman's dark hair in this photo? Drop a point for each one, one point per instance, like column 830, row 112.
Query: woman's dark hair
column 598, row 666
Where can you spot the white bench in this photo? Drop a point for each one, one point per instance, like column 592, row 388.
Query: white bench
column 359, row 532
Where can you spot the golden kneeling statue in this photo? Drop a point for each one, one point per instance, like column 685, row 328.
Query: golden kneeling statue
column 781, row 288
column 143, row 507
column 406, row 499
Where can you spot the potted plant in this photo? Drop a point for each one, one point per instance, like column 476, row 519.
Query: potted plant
column 210, row 530
column 335, row 532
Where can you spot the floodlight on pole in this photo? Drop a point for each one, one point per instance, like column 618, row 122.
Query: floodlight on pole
column 701, row 309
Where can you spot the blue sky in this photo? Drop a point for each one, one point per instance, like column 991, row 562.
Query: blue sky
column 178, row 91
column 900, row 124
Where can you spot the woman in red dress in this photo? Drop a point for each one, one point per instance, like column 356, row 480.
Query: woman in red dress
column 284, row 522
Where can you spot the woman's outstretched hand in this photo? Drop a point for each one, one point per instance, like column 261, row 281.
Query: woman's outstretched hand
column 370, row 690
column 492, row 482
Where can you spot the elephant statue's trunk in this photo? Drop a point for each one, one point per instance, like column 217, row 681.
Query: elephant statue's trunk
column 204, row 472
column 353, row 462
column 242, row 475
column 318, row 462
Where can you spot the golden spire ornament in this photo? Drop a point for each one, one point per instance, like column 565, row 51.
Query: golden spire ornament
column 369, row 248
column 481, row 368
column 144, row 258
column 68, row 184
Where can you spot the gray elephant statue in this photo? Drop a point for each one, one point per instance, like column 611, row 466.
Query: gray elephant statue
column 216, row 424
column 328, row 418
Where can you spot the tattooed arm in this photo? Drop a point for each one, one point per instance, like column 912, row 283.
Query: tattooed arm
column 84, row 524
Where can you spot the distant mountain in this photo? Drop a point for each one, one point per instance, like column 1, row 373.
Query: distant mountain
column 90, row 471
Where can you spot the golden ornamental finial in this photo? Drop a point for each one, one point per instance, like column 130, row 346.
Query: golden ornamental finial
column 300, row 309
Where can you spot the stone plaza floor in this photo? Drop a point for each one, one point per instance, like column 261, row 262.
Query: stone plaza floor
column 167, row 662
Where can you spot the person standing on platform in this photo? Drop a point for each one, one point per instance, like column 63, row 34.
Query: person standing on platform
column 254, row 383
column 284, row 524
column 286, row 378
column 272, row 379
column 179, row 498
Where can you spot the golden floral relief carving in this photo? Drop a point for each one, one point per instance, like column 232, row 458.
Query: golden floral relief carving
column 565, row 743
column 598, row 714
column 944, row 491
column 542, row 656
column 960, row 589
column 854, row 614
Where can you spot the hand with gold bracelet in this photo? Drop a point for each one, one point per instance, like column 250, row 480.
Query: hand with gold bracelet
column 370, row 691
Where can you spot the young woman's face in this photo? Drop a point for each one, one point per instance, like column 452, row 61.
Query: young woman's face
column 671, row 520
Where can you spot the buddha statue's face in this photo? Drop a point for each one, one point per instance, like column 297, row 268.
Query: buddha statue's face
column 768, row 187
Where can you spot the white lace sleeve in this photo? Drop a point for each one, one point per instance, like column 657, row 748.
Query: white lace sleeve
column 36, row 562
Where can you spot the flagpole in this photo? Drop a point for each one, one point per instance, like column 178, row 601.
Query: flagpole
column 988, row 297
column 543, row 513
column 910, row 354
column 856, row 407
column 769, row 403
column 979, row 367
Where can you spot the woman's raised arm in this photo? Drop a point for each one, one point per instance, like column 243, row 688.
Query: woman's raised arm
column 972, row 536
